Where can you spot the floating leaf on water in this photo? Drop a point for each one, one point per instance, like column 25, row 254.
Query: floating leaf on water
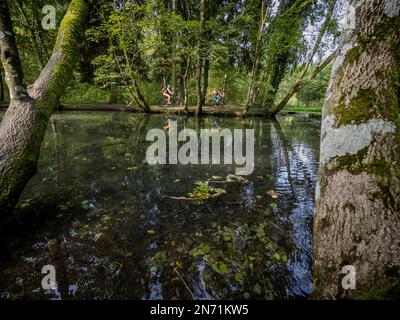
column 223, row 268
column 273, row 194
column 257, row 289
column 63, row 207
column 85, row 204
column 105, row 217
column 239, row 277
column 277, row 256
column 98, row 235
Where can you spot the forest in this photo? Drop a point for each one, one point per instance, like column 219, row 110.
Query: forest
column 305, row 93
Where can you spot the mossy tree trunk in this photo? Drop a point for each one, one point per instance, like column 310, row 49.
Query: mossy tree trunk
column 357, row 218
column 24, row 124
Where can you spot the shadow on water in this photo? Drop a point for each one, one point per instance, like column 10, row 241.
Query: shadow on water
column 116, row 228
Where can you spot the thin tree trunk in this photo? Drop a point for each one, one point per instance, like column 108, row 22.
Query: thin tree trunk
column 185, row 81
column 173, row 53
column 113, row 94
column 257, row 58
column 205, row 81
column 30, row 26
column 1, row 88
column 357, row 218
column 299, row 84
column 200, row 59
column 282, row 52
column 225, row 85
column 24, row 124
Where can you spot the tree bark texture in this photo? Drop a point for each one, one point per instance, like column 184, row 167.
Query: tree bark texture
column 24, row 124
column 357, row 218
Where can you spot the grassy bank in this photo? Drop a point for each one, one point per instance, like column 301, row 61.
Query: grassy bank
column 300, row 109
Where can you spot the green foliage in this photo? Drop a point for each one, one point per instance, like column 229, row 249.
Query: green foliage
column 223, row 260
column 86, row 93
column 300, row 109
column 203, row 191
column 131, row 49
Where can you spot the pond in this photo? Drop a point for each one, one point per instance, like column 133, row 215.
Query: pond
column 115, row 227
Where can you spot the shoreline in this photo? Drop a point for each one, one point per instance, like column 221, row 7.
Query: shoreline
column 156, row 109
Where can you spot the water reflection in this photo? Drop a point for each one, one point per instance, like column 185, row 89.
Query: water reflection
column 113, row 227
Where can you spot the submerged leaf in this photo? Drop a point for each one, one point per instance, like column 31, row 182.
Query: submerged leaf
column 273, row 194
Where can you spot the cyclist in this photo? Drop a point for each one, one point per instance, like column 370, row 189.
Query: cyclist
column 167, row 93
column 218, row 95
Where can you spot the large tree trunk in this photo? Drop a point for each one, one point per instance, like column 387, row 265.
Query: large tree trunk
column 24, row 124
column 357, row 218
column 200, row 58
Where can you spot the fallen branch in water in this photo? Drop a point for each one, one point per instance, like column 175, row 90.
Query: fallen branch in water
column 184, row 282
column 194, row 199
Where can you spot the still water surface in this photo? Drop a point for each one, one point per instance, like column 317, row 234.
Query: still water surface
column 116, row 228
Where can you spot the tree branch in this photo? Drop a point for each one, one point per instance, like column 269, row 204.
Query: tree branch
column 299, row 84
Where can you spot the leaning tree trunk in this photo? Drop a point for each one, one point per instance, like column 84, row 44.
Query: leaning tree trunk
column 24, row 124
column 357, row 219
column 301, row 81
